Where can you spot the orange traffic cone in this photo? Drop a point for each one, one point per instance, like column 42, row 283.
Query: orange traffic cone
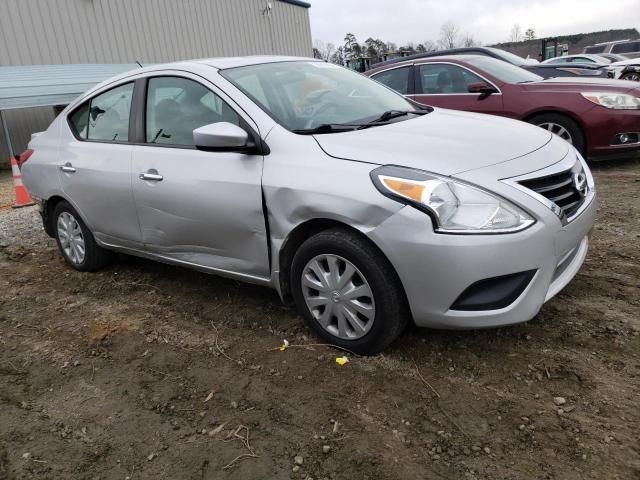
column 23, row 199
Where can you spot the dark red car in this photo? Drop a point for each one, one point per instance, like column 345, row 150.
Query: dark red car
column 600, row 117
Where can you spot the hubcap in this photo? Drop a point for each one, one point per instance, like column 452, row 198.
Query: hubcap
column 71, row 238
column 558, row 130
column 338, row 296
column 635, row 77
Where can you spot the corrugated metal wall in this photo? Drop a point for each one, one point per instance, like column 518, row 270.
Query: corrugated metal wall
column 45, row 32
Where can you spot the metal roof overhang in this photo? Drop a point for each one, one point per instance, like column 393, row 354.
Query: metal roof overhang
column 299, row 3
column 31, row 86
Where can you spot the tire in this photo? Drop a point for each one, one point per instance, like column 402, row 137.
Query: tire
column 633, row 76
column 386, row 305
column 569, row 125
column 65, row 220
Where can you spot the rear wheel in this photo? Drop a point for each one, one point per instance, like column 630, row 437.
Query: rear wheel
column 563, row 126
column 76, row 242
column 348, row 292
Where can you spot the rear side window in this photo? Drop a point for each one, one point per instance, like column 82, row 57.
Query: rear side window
column 628, row 47
column 177, row 106
column 396, row 79
column 105, row 117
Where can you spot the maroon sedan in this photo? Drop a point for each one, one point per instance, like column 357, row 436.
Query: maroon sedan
column 600, row 117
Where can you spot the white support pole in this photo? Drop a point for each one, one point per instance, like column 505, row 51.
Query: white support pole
column 5, row 129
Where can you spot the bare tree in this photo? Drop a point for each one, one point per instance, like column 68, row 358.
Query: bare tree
column 338, row 56
column 430, row 46
column 469, row 41
column 323, row 51
column 328, row 51
column 516, row 33
column 448, row 35
column 530, row 34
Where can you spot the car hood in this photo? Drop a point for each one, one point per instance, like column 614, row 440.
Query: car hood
column 443, row 141
column 579, row 84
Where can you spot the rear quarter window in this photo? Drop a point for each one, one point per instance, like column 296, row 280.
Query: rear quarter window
column 79, row 121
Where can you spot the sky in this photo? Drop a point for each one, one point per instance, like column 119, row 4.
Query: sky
column 488, row 21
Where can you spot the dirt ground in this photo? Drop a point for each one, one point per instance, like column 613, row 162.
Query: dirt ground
column 144, row 371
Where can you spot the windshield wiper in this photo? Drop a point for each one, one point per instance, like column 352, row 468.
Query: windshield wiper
column 390, row 114
column 383, row 119
column 329, row 128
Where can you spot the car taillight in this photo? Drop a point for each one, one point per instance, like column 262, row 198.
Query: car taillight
column 24, row 156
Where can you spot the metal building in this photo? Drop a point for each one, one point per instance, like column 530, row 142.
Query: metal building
column 44, row 32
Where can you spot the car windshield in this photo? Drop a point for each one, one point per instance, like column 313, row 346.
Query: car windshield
column 504, row 71
column 305, row 95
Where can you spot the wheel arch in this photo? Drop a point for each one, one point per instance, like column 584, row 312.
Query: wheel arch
column 306, row 230
column 49, row 206
column 557, row 111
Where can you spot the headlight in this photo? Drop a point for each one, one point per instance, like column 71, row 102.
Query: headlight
column 455, row 207
column 617, row 101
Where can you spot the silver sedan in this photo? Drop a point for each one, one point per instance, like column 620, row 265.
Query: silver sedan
column 362, row 208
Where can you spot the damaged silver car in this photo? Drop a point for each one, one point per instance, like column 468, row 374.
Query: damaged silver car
column 364, row 209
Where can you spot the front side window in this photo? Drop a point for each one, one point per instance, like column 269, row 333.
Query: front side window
column 440, row 78
column 396, row 79
column 305, row 94
column 177, row 106
column 105, row 117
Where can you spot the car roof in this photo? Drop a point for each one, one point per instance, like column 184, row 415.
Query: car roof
column 222, row 63
column 437, row 53
column 219, row 63
column 434, row 59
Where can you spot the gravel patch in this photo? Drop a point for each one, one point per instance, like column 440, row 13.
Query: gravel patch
column 19, row 227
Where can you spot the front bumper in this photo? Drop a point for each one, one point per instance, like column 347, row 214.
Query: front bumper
column 601, row 127
column 435, row 269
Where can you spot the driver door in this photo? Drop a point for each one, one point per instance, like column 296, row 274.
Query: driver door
column 197, row 207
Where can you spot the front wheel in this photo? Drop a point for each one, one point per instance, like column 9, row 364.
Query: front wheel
column 76, row 242
column 348, row 292
column 562, row 126
column 633, row 76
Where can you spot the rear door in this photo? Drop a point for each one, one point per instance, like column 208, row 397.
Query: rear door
column 446, row 85
column 199, row 207
column 95, row 165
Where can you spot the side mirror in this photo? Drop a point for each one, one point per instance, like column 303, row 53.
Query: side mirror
column 484, row 89
column 221, row 136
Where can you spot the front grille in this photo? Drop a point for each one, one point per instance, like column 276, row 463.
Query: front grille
column 559, row 188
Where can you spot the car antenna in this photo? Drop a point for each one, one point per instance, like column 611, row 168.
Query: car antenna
column 139, row 64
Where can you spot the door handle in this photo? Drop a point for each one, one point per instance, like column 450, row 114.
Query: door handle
column 68, row 168
column 151, row 174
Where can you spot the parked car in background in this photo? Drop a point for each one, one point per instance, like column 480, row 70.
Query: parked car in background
column 628, row 48
column 625, row 70
column 361, row 207
column 573, row 59
column 601, row 118
column 544, row 70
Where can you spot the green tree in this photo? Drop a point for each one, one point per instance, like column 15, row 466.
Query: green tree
column 352, row 49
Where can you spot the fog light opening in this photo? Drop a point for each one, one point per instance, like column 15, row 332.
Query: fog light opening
column 626, row 138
